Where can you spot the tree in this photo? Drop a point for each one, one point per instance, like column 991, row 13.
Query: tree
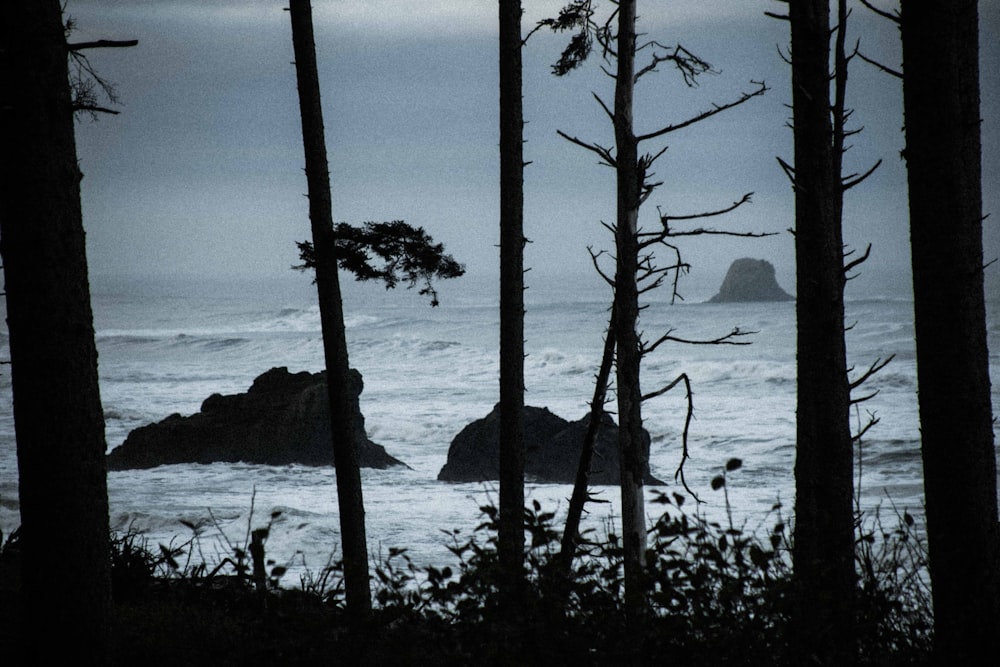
column 407, row 254
column 941, row 106
column 635, row 270
column 823, row 554
column 58, row 419
column 331, row 308
column 511, row 522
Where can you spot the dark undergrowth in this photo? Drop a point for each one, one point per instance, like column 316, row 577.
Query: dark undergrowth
column 719, row 595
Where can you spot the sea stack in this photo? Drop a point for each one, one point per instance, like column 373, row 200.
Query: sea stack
column 552, row 450
column 750, row 280
column 283, row 418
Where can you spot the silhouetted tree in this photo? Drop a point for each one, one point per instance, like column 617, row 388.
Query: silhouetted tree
column 511, row 522
column 58, row 419
column 943, row 159
column 635, row 270
column 824, row 484
column 345, row 447
column 405, row 254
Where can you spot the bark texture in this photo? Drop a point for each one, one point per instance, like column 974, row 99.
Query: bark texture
column 331, row 308
column 626, row 310
column 824, row 488
column 511, row 530
column 58, row 419
column 941, row 104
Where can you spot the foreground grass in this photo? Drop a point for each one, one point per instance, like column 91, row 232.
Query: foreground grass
column 719, row 596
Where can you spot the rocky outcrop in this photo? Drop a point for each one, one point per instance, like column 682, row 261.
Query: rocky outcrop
column 552, row 450
column 283, row 418
column 750, row 280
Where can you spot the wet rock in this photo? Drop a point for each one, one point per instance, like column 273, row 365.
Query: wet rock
column 552, row 450
column 283, row 418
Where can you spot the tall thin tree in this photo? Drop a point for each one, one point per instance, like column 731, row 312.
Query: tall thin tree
column 58, row 419
column 511, row 528
column 824, row 483
column 345, row 446
column 943, row 158
column 635, row 270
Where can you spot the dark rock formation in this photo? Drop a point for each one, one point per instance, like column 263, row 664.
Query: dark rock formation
column 552, row 450
column 283, row 418
column 750, row 280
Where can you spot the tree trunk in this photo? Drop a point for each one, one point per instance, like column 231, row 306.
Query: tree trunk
column 58, row 419
column 941, row 103
column 824, row 515
column 345, row 446
column 581, row 492
column 626, row 308
column 511, row 531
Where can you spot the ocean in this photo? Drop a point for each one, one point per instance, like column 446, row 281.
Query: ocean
column 165, row 345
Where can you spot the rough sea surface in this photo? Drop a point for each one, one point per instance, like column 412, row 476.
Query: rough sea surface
column 166, row 345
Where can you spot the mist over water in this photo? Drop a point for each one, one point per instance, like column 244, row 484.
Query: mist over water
column 166, row 345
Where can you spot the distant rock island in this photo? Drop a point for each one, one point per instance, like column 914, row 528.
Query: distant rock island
column 283, row 418
column 750, row 280
column 552, row 450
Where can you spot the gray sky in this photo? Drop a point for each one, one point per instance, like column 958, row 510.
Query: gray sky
column 201, row 173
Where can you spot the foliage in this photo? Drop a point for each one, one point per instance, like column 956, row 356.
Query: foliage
column 719, row 594
column 408, row 254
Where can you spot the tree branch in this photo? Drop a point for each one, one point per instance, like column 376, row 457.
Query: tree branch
column 876, row 366
column 717, row 108
column 853, row 263
column 885, row 68
column 728, row 339
column 881, row 12
column 603, row 152
column 102, row 44
column 665, row 219
column 848, row 184
column 679, row 474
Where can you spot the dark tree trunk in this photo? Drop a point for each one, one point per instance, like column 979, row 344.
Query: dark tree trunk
column 626, row 309
column 345, row 446
column 511, row 530
column 824, row 488
column 581, row 492
column 59, row 423
column 941, row 103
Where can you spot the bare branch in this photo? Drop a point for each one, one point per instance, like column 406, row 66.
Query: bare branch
column 603, row 152
column 787, row 59
column 665, row 219
column 881, row 12
column 876, row 366
column 853, row 263
column 102, row 44
column 728, row 339
column 604, row 106
column 689, row 65
column 848, row 184
column 679, row 474
column 93, row 109
column 788, row 169
column 716, row 108
column 594, row 257
column 872, row 421
column 866, row 397
column 885, row 68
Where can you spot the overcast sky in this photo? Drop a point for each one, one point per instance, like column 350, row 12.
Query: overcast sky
column 201, row 173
